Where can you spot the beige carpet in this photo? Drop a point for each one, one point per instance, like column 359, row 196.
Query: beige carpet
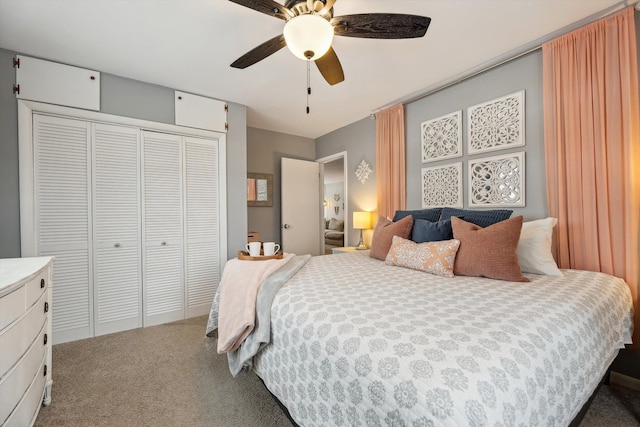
column 157, row 376
column 164, row 376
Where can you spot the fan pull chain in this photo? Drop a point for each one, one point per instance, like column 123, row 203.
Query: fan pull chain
column 308, row 83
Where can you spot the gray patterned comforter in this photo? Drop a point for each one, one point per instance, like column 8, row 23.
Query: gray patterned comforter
column 357, row 342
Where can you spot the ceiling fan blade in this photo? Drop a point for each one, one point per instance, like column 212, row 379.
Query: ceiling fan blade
column 269, row 7
column 327, row 7
column 330, row 68
column 381, row 25
column 259, row 53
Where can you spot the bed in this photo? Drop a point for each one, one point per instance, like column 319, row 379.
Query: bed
column 354, row 341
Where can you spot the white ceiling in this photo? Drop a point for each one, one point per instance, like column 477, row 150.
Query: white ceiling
column 189, row 44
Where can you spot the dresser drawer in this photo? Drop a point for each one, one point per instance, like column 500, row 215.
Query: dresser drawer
column 11, row 307
column 17, row 339
column 15, row 384
column 27, row 410
column 36, row 287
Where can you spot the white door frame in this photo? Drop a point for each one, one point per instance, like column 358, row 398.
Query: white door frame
column 347, row 220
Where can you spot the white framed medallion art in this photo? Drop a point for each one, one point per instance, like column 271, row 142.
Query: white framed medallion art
column 497, row 181
column 442, row 137
column 442, row 186
column 496, row 124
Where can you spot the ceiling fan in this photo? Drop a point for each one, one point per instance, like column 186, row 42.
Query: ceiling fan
column 310, row 27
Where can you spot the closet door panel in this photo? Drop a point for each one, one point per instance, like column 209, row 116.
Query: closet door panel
column 62, row 217
column 116, row 209
column 202, row 225
column 163, row 281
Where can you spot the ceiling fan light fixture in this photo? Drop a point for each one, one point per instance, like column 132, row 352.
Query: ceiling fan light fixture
column 308, row 36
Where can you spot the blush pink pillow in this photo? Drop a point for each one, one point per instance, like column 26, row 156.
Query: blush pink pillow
column 490, row 251
column 384, row 232
column 431, row 257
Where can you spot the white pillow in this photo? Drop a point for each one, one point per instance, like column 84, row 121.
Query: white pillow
column 534, row 248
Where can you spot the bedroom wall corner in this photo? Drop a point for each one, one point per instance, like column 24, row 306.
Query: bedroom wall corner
column 237, row 214
column 265, row 149
column 359, row 141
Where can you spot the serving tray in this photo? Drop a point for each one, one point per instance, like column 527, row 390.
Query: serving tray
column 244, row 255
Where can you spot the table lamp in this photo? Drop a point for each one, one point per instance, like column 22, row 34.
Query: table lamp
column 361, row 220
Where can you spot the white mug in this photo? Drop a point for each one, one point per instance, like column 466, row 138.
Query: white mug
column 254, row 248
column 270, row 248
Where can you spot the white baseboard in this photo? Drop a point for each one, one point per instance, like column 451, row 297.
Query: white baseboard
column 625, row 381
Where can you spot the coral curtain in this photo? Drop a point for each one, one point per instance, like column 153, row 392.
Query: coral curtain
column 390, row 161
column 592, row 138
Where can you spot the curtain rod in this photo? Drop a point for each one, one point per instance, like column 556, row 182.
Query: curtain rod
column 511, row 55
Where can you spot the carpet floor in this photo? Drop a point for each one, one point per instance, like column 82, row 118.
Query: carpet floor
column 165, row 376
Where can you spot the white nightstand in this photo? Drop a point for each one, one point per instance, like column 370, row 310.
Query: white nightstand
column 345, row 250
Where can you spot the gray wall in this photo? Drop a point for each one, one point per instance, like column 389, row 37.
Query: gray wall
column 264, row 151
column 9, row 183
column 358, row 138
column 122, row 97
column 523, row 73
column 359, row 141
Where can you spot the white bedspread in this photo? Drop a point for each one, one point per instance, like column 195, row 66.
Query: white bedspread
column 357, row 342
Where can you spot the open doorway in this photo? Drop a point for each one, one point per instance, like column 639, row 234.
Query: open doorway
column 335, row 201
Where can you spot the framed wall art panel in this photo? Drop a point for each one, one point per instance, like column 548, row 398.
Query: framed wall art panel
column 442, row 137
column 442, row 186
column 497, row 181
column 496, row 124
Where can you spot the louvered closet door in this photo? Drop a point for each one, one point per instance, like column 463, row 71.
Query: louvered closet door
column 202, row 224
column 116, row 207
column 163, row 282
column 62, row 209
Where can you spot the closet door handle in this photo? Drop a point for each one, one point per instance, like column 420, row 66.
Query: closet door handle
column 163, row 243
column 117, row 245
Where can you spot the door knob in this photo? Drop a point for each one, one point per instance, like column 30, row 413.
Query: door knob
column 286, row 226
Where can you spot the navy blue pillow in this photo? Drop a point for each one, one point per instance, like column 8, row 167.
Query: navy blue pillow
column 432, row 214
column 427, row 231
column 481, row 218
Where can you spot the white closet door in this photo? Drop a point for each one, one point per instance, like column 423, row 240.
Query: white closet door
column 202, row 224
column 61, row 181
column 163, row 283
column 116, row 207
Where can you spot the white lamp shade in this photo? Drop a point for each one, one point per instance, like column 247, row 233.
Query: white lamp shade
column 308, row 34
column 362, row 220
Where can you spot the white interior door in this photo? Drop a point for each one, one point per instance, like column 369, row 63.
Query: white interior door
column 301, row 191
column 203, row 228
column 163, row 284
column 62, row 220
column 116, row 229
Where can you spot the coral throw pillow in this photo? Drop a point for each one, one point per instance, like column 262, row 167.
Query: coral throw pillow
column 431, row 257
column 384, row 232
column 488, row 252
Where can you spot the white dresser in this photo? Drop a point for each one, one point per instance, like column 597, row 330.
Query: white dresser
column 25, row 338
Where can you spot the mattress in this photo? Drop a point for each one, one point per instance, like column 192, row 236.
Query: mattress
column 357, row 342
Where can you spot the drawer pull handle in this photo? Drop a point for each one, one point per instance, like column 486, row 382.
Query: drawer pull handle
column 163, row 243
column 41, row 283
column 46, row 307
column 45, row 339
column 117, row 245
column 45, row 370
